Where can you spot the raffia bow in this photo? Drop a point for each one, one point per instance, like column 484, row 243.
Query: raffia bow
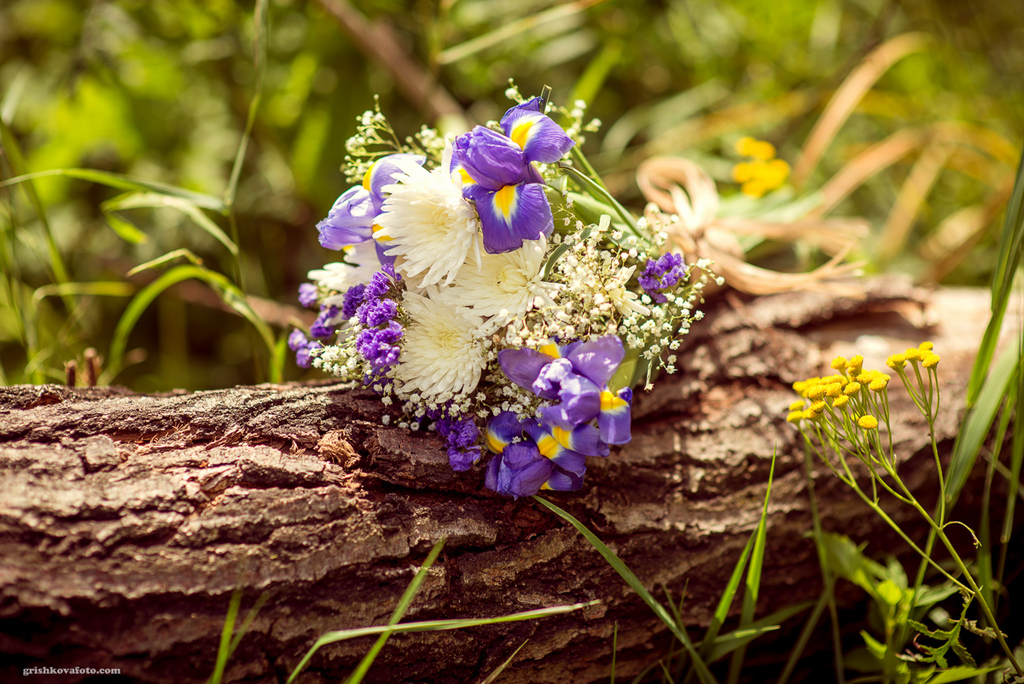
column 683, row 202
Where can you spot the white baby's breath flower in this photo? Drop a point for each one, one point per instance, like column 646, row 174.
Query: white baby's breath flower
column 427, row 224
column 442, row 352
column 505, row 285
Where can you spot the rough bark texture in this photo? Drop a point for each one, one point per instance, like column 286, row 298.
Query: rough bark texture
column 127, row 521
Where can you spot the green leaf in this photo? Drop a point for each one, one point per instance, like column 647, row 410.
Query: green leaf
column 261, row 20
column 398, row 614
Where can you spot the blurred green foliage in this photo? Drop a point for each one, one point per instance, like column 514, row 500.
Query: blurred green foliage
column 161, row 89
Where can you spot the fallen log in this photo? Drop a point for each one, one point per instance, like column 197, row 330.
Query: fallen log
column 127, row 521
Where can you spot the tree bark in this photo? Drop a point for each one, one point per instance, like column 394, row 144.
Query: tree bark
column 127, row 521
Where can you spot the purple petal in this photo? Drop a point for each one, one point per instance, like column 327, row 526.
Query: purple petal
column 511, row 215
column 350, row 220
column 565, row 481
column 523, row 365
column 580, row 402
column 541, row 139
column 385, row 169
column 520, row 470
column 550, row 378
column 615, row 417
column 501, row 430
column 598, row 359
column 490, row 159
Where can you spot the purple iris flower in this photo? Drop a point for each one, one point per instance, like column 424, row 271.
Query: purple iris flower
column 541, row 139
column 577, row 376
column 521, row 470
column 501, row 180
column 350, row 220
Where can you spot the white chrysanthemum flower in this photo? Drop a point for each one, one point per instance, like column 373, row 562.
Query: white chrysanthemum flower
column 505, row 285
column 427, row 224
column 442, row 350
column 340, row 277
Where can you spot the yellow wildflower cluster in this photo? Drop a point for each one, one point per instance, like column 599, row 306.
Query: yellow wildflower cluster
column 840, row 399
column 763, row 172
column 922, row 353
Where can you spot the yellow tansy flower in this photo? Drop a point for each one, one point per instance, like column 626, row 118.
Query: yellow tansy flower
column 879, row 382
column 896, row 361
column 868, row 422
column 930, row 360
column 840, row 401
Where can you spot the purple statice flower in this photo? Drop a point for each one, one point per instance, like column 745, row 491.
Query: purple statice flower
column 297, row 340
column 377, row 345
column 307, row 294
column 374, row 312
column 323, row 326
column 461, row 437
column 381, row 282
column 352, row 301
column 662, row 274
column 302, row 357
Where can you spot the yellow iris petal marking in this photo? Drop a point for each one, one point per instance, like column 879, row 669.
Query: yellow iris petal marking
column 548, row 447
column 563, row 437
column 551, row 349
column 505, row 200
column 611, row 402
column 494, row 443
column 378, row 234
column 521, row 132
column 466, row 178
column 367, row 175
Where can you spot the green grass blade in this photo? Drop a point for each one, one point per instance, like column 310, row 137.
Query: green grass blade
column 225, row 637
column 155, row 200
column 260, row 32
column 101, row 288
column 227, row 291
column 128, row 183
column 165, row 258
column 1010, row 245
column 589, row 84
column 246, row 624
column 730, row 641
column 17, row 162
column 433, row 626
column 725, row 602
column 278, row 358
column 634, row 582
column 753, row 583
column 491, row 678
column 1016, row 455
column 125, row 229
column 978, row 423
column 396, row 617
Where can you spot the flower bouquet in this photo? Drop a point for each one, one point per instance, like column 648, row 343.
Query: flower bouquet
column 493, row 292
